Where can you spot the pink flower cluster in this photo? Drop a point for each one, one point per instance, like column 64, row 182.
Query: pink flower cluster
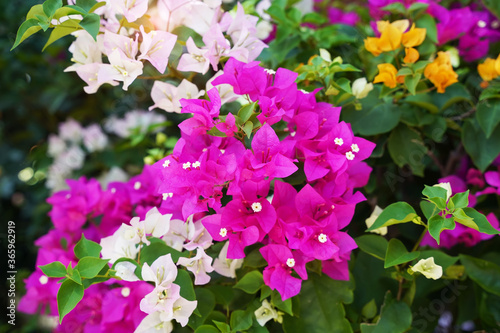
column 479, row 185
column 86, row 208
column 205, row 171
column 474, row 26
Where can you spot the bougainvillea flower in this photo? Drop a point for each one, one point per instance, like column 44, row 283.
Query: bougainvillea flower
column 487, row 70
column 278, row 273
column 414, row 37
column 387, row 75
column 411, row 55
column 156, row 47
column 199, row 265
column 440, row 72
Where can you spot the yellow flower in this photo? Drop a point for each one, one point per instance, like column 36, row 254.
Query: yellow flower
column 371, row 44
column 414, row 37
column 387, row 75
column 487, row 70
column 440, row 72
column 391, row 35
column 411, row 55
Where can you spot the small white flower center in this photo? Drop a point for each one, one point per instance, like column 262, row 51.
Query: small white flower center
column 256, row 207
column 166, row 163
column 125, row 292
column 167, row 195
column 222, row 151
column 43, row 279
column 290, row 262
column 196, row 164
column 270, row 71
column 68, row 196
column 355, row 148
column 349, row 155
column 113, row 190
column 481, row 24
column 223, row 232
column 322, row 238
column 186, row 165
column 339, row 141
column 137, row 185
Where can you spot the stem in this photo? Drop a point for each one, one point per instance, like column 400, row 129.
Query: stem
column 437, row 162
column 464, row 115
column 417, row 244
column 400, row 289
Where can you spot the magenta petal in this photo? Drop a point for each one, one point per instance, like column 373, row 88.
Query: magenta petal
column 287, row 285
column 276, row 254
column 336, row 270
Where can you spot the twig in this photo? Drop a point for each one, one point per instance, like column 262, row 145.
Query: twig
column 437, row 162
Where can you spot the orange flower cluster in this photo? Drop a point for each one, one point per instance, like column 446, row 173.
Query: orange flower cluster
column 489, row 69
column 440, row 72
column 392, row 35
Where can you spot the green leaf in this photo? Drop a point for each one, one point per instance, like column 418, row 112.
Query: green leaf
column 493, row 6
column 321, row 309
column 28, row 28
column 86, row 4
column 481, row 149
column 485, row 273
column 246, row 112
column 479, row 223
column 344, row 84
column 206, row 304
column 395, row 317
column 50, row 7
column 428, row 208
column 407, row 148
column 437, row 224
column 488, row 116
column 399, row 212
column 36, row 10
column 411, row 82
column 74, row 275
column 285, row 306
column 87, row 248
column 69, row 27
column 97, row 6
column 380, row 119
column 206, row 329
column 54, row 269
column 241, row 320
column 223, row 327
column 426, row 21
column 398, row 254
column 404, row 71
column 460, row 200
column 374, row 245
column 434, row 191
column 183, row 280
column 68, row 297
column 89, row 267
column 395, row 8
column 66, row 11
column 251, row 282
column 157, row 249
column 423, row 101
column 417, row 6
column 453, row 94
column 91, row 23
column 215, row 132
column 370, row 309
